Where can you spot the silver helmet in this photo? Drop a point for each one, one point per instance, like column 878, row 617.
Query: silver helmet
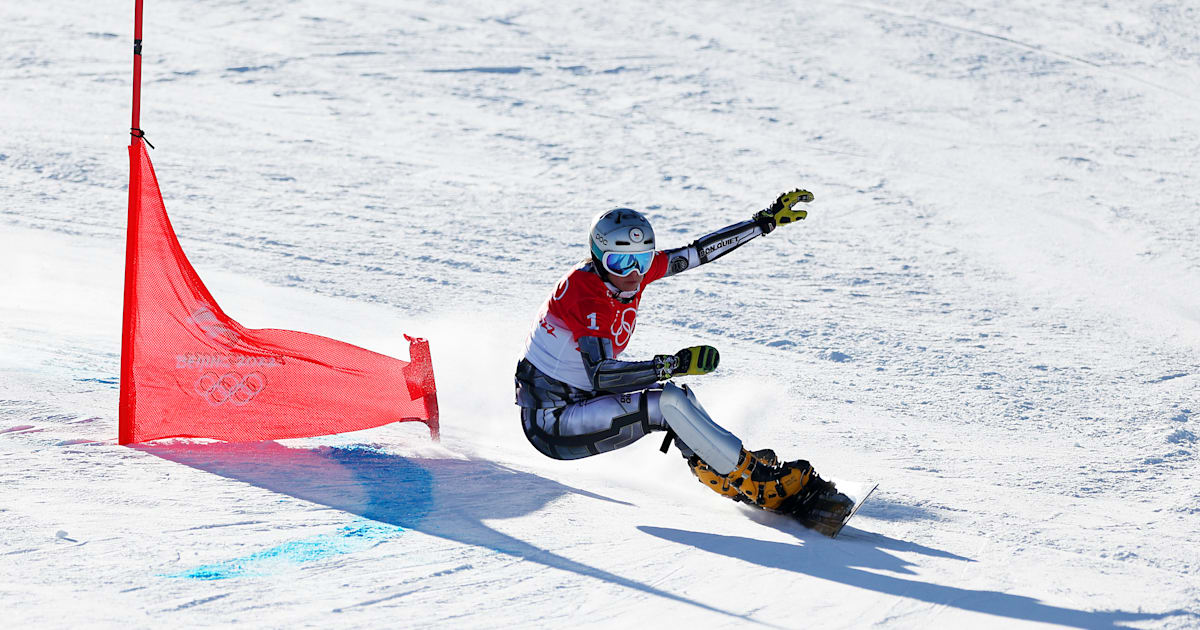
column 621, row 241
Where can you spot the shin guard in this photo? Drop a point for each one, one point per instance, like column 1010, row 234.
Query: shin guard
column 719, row 448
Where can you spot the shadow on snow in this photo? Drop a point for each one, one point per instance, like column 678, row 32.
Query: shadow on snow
column 447, row 498
column 858, row 555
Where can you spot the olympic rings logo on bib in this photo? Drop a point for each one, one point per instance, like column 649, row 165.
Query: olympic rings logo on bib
column 623, row 325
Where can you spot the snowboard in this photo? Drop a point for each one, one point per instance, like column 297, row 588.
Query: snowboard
column 832, row 528
column 854, row 510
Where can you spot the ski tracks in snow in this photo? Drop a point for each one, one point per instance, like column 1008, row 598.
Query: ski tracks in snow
column 991, row 308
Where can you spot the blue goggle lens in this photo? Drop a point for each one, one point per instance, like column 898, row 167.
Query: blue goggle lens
column 624, row 263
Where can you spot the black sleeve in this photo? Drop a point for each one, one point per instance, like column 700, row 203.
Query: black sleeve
column 613, row 375
column 712, row 246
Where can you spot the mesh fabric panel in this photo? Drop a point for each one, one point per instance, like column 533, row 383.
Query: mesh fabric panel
column 189, row 370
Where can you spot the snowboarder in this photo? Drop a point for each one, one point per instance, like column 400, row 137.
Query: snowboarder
column 579, row 399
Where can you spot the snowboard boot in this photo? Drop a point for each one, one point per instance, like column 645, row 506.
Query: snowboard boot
column 791, row 488
column 759, row 479
column 766, row 456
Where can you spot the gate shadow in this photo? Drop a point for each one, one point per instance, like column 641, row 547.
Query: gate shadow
column 447, row 498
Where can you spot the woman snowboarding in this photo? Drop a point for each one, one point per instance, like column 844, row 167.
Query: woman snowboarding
column 579, row 399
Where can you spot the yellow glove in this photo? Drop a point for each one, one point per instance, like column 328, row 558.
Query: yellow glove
column 696, row 360
column 781, row 212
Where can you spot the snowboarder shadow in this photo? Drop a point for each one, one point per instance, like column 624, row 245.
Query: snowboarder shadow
column 860, row 554
column 447, row 498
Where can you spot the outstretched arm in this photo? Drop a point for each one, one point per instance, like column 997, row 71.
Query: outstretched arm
column 712, row 246
column 613, row 375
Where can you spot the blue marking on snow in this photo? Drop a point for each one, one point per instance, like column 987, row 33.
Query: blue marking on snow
column 483, row 69
column 349, row 539
column 250, row 68
column 112, row 380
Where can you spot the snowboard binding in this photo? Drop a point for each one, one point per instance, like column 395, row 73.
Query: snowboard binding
column 821, row 507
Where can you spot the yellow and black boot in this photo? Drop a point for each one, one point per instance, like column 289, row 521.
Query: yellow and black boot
column 791, row 488
column 711, row 478
column 758, row 479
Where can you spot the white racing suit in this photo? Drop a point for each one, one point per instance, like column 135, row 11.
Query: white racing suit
column 577, row 398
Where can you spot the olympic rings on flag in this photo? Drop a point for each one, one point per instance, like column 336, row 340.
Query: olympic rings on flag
column 230, row 387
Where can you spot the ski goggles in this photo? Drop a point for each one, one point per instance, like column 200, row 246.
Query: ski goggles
column 624, row 263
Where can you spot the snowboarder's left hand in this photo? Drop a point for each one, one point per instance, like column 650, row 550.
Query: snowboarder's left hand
column 689, row 361
column 781, row 212
column 696, row 360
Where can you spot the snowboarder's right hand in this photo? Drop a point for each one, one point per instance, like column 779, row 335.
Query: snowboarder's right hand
column 781, row 213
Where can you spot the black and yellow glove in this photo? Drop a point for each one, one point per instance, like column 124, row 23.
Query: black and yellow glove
column 781, row 212
column 695, row 360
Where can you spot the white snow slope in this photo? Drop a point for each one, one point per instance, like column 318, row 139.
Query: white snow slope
column 993, row 309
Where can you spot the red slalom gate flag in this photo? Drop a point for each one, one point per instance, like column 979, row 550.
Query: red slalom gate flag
column 189, row 370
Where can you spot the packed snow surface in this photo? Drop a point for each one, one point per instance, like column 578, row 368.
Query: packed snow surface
column 993, row 309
